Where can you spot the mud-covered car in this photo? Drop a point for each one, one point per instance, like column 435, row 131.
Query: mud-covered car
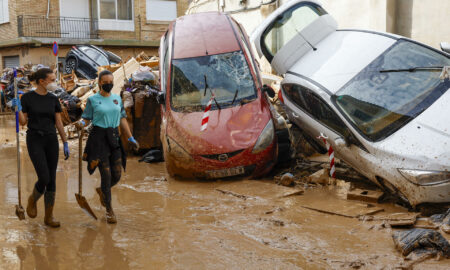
column 216, row 118
column 381, row 99
column 85, row 60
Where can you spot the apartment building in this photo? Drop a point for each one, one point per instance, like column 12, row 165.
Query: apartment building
column 28, row 28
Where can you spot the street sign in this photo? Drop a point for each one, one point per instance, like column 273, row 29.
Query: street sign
column 55, row 48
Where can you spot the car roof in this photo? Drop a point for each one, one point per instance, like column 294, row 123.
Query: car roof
column 341, row 56
column 203, row 34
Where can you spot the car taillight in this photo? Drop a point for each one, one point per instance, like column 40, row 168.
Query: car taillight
column 73, row 47
column 280, row 96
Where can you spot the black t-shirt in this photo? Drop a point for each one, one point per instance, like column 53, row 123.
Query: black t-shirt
column 41, row 111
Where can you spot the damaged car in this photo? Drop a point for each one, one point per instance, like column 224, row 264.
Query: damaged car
column 381, row 100
column 85, row 60
column 216, row 117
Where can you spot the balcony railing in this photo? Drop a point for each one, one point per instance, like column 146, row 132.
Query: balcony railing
column 57, row 27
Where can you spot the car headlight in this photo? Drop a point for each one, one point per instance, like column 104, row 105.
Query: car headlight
column 176, row 151
column 265, row 139
column 425, row 178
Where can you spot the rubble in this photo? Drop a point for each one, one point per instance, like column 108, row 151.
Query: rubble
column 421, row 241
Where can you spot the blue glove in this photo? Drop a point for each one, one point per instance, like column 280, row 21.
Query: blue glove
column 133, row 143
column 66, row 150
column 16, row 103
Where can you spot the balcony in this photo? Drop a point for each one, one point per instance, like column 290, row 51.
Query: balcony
column 57, row 27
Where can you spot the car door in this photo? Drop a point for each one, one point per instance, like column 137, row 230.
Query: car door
column 311, row 112
column 291, row 31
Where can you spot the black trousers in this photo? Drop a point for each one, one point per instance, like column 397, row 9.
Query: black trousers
column 110, row 172
column 44, row 153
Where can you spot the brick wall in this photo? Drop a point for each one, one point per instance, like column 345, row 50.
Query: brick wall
column 9, row 31
column 144, row 30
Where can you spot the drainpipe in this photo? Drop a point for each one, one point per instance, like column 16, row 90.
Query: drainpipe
column 48, row 8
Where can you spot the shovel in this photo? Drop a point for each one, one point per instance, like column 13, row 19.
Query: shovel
column 79, row 196
column 20, row 212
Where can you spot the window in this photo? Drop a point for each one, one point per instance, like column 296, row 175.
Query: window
column 116, row 10
column 287, row 26
column 161, row 10
column 4, row 11
column 116, row 15
column 379, row 103
column 224, row 77
column 316, row 108
column 247, row 49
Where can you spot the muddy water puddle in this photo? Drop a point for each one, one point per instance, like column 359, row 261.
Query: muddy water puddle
column 166, row 223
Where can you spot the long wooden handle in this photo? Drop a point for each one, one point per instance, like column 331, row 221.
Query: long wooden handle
column 19, row 184
column 80, row 153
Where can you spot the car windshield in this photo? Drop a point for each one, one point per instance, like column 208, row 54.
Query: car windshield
column 226, row 75
column 379, row 103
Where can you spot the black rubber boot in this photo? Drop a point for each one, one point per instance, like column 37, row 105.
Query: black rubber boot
column 49, row 199
column 110, row 216
column 32, row 200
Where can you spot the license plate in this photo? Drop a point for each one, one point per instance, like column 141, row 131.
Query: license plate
column 226, row 172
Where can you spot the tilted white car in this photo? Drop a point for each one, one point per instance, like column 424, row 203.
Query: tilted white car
column 381, row 99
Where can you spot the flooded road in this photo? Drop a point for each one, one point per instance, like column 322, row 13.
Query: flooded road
column 166, row 223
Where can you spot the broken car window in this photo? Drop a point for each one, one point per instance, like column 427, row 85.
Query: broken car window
column 195, row 79
column 379, row 103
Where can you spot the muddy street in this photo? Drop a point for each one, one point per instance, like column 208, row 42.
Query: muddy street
column 166, row 223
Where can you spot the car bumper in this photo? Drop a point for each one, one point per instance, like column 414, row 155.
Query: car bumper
column 418, row 194
column 241, row 165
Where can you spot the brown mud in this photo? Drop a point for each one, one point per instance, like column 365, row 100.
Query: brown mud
column 165, row 223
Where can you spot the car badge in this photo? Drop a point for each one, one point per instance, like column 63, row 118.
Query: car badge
column 223, row 157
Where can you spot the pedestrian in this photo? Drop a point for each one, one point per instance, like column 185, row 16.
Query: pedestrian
column 104, row 148
column 41, row 110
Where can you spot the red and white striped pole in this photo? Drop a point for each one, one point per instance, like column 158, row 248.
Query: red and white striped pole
column 330, row 155
column 205, row 118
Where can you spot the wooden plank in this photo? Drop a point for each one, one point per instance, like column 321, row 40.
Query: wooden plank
column 353, row 211
column 131, row 66
column 364, row 195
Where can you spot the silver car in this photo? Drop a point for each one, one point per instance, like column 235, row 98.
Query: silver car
column 381, row 99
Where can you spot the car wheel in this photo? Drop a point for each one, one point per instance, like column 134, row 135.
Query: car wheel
column 71, row 65
column 284, row 146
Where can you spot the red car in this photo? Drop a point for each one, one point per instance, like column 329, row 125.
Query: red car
column 216, row 118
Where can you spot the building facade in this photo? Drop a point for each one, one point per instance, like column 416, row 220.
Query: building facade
column 28, row 28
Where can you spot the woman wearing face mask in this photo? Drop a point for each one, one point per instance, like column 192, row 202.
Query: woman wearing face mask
column 41, row 110
column 103, row 147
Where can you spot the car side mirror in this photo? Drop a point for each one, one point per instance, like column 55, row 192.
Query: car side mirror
column 445, row 46
column 269, row 90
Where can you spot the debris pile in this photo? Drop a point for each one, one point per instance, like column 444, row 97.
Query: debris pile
column 134, row 79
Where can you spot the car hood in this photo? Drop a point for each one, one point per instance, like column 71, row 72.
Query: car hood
column 228, row 130
column 424, row 142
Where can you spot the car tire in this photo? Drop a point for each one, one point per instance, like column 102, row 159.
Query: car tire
column 71, row 64
column 284, row 146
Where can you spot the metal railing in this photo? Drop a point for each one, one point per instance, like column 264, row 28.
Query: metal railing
column 57, row 27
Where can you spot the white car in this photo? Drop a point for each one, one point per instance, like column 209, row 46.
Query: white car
column 381, row 99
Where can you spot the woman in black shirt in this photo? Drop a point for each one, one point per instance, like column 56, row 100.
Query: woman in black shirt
column 41, row 110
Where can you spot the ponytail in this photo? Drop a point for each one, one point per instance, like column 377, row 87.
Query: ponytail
column 41, row 74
